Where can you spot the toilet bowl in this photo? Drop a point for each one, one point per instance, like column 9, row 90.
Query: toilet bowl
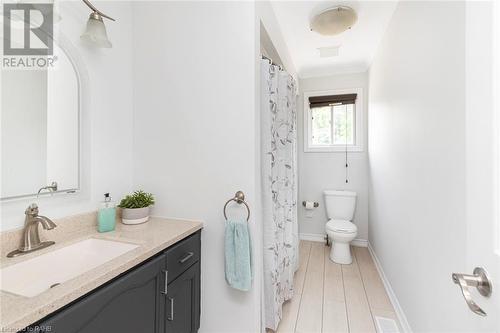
column 341, row 233
column 340, row 207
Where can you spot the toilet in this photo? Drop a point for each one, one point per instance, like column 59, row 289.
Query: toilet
column 340, row 206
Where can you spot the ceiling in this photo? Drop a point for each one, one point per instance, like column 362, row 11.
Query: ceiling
column 357, row 46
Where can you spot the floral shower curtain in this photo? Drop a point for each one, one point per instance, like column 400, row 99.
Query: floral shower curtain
column 279, row 186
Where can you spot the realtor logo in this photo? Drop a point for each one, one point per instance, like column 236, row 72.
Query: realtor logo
column 37, row 23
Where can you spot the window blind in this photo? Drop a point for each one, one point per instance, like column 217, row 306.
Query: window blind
column 319, row 101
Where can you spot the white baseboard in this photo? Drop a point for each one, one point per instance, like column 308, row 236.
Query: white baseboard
column 321, row 238
column 390, row 292
column 359, row 242
column 312, row 237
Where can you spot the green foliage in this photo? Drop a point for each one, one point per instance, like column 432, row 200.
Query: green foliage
column 340, row 117
column 139, row 199
column 322, row 119
column 343, row 124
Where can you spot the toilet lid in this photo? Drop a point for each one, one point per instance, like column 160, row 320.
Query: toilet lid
column 341, row 226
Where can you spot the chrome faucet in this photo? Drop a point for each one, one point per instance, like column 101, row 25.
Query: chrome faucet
column 31, row 239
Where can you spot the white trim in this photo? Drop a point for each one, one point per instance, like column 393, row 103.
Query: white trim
column 358, row 116
column 496, row 125
column 321, row 239
column 358, row 242
column 388, row 321
column 312, row 237
column 333, row 70
column 390, row 292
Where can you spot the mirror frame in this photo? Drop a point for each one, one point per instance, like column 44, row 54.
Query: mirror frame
column 79, row 67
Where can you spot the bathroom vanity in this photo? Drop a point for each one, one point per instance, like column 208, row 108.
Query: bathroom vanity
column 159, row 295
column 155, row 287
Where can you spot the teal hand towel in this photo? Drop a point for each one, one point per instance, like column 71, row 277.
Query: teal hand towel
column 238, row 254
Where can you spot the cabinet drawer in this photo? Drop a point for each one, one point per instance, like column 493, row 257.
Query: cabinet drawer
column 182, row 255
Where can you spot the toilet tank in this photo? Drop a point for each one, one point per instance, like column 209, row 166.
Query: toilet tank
column 340, row 205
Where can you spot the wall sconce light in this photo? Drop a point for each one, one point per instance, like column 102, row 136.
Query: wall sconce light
column 95, row 32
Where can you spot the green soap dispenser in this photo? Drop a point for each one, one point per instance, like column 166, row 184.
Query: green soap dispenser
column 106, row 217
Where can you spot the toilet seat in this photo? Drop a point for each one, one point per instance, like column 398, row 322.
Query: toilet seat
column 341, row 226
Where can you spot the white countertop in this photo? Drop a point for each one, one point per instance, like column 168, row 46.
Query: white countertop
column 17, row 312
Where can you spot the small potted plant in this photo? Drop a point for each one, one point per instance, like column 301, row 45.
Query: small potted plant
column 135, row 207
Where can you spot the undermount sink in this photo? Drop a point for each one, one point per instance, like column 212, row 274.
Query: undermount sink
column 34, row 276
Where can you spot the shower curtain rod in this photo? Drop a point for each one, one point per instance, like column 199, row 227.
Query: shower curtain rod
column 271, row 62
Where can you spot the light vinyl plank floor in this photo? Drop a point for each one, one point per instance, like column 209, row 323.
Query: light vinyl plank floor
column 333, row 298
column 310, row 314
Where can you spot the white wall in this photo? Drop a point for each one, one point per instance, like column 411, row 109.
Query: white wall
column 273, row 42
column 417, row 159
column 195, row 135
column 108, row 130
column 321, row 171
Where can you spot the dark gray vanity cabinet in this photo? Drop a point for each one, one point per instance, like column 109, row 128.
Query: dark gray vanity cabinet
column 182, row 306
column 136, row 302
column 182, row 301
column 130, row 304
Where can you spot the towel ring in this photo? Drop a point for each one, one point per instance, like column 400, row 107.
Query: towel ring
column 239, row 198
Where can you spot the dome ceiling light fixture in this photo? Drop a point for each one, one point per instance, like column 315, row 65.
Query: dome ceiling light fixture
column 334, row 21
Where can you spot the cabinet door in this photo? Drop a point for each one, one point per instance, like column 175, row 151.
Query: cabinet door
column 182, row 302
column 131, row 304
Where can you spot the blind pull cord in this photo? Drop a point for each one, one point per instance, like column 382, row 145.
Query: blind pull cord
column 346, row 161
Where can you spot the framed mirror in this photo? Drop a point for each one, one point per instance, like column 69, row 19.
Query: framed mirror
column 41, row 128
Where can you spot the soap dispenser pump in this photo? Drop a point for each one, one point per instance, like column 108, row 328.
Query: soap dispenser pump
column 106, row 216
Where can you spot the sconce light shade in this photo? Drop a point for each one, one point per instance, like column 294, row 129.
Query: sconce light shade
column 96, row 32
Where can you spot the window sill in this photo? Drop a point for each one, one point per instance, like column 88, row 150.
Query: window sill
column 333, row 149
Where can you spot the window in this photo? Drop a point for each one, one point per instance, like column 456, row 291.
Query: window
column 332, row 125
column 333, row 121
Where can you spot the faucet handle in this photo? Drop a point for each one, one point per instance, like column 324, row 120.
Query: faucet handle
column 32, row 210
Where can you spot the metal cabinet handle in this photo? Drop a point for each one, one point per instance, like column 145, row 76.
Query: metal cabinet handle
column 171, row 318
column 165, row 288
column 186, row 257
column 480, row 280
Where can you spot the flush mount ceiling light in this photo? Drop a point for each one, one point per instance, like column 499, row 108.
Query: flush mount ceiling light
column 334, row 21
column 96, row 30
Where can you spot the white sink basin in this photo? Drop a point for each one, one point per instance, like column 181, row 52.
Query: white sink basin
column 34, row 276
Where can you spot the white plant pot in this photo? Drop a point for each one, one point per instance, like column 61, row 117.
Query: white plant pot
column 135, row 215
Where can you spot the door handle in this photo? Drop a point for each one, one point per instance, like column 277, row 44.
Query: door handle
column 171, row 299
column 165, row 288
column 186, row 257
column 480, row 280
